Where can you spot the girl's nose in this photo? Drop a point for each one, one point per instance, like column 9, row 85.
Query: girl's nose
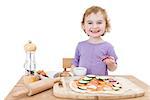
column 94, row 25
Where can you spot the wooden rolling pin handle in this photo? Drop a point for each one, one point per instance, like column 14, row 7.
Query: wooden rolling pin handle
column 41, row 85
column 36, row 87
column 20, row 92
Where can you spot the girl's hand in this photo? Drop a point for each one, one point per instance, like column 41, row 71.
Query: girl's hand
column 110, row 62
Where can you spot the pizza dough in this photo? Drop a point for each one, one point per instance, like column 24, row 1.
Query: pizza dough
column 97, row 84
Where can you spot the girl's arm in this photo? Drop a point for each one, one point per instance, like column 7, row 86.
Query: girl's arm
column 76, row 59
column 112, row 67
column 111, row 63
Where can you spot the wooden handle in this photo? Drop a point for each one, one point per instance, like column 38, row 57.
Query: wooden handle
column 36, row 87
column 40, row 86
column 24, row 91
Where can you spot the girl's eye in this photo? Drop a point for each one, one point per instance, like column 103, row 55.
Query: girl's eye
column 89, row 22
column 99, row 22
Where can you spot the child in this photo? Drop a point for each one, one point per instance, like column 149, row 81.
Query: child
column 95, row 54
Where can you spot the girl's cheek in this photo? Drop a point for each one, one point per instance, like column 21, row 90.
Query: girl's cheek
column 102, row 27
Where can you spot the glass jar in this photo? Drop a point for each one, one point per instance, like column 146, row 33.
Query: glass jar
column 30, row 65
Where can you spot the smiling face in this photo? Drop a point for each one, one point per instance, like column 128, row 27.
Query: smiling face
column 94, row 25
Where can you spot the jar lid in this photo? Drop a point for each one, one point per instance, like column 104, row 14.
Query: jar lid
column 30, row 47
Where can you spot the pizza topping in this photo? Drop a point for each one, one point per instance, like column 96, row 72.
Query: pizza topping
column 83, row 81
column 82, row 87
column 112, row 80
column 91, row 76
column 87, row 78
column 98, row 83
column 92, row 87
column 101, row 78
column 117, row 85
column 107, row 88
column 116, row 88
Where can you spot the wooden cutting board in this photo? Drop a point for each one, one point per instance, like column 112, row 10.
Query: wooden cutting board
column 63, row 90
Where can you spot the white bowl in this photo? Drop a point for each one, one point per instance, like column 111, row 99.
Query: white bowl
column 79, row 71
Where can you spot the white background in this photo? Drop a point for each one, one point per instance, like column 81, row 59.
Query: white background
column 54, row 25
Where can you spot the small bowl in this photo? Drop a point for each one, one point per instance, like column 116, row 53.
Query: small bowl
column 79, row 71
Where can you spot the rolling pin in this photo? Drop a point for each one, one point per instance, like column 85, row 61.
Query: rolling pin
column 37, row 87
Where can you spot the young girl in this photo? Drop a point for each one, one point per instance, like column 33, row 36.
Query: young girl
column 95, row 54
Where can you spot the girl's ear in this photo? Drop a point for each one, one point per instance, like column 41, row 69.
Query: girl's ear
column 83, row 27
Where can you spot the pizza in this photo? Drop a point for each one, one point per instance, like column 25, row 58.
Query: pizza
column 96, row 84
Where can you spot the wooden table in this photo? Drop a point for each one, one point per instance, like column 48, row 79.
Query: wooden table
column 48, row 95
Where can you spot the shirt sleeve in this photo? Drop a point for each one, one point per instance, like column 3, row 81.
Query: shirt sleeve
column 111, row 52
column 76, row 59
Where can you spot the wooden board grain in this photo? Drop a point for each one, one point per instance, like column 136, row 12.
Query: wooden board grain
column 48, row 94
column 64, row 91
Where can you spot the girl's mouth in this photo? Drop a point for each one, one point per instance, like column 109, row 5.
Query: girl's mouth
column 95, row 30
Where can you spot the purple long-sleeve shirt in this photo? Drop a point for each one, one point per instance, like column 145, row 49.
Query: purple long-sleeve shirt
column 88, row 55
